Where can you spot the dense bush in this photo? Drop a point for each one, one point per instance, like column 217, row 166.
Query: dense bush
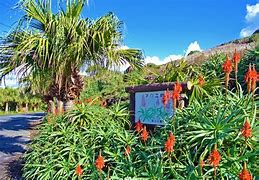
column 214, row 118
column 79, row 136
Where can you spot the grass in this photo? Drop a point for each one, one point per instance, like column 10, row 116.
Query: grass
column 3, row 113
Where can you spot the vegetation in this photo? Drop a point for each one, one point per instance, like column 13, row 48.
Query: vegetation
column 16, row 100
column 50, row 48
column 215, row 136
column 93, row 141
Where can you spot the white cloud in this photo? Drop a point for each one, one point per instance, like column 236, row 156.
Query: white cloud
column 252, row 20
column 252, row 11
column 156, row 60
column 247, row 31
column 194, row 46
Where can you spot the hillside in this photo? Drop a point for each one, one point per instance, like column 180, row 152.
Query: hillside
column 241, row 45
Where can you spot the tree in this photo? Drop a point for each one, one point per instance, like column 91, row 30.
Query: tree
column 56, row 45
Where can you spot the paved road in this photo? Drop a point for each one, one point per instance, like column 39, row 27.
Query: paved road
column 14, row 135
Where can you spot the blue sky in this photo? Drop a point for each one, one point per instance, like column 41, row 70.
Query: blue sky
column 166, row 28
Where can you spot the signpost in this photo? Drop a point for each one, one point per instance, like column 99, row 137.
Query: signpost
column 146, row 103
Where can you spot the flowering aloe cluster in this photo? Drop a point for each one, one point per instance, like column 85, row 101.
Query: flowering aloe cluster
column 251, row 77
column 214, row 137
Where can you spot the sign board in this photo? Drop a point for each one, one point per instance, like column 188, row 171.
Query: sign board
column 146, row 103
column 150, row 109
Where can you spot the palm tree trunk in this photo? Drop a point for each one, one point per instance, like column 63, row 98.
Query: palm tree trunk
column 68, row 105
column 60, row 106
column 6, row 107
column 51, row 106
column 17, row 108
column 26, row 107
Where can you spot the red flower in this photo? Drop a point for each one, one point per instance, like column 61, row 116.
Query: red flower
column 248, row 78
column 127, row 151
column 144, row 134
column 178, row 87
column 176, row 93
column 245, row 175
column 214, row 157
column 201, row 80
column 227, row 66
column 139, row 126
column 246, row 130
column 169, row 144
column 166, row 97
column 175, row 97
column 79, row 170
column 236, row 59
column 99, row 163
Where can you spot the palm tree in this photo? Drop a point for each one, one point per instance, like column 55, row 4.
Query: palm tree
column 57, row 45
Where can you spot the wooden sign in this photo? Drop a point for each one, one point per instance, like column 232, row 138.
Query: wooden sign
column 150, row 109
column 146, row 103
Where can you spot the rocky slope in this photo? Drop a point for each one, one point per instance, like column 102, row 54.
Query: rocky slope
column 241, row 45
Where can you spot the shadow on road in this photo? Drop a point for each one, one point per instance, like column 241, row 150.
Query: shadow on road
column 11, row 145
column 15, row 132
column 15, row 169
column 18, row 122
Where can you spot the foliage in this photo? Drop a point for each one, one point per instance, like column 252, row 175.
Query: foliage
column 215, row 116
column 49, row 48
column 16, row 99
column 79, row 135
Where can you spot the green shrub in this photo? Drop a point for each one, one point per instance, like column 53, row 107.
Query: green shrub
column 79, row 136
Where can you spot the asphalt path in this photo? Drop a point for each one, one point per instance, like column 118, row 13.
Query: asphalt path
column 14, row 136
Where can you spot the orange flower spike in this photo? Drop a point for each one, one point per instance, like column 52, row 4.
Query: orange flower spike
column 201, row 81
column 245, row 175
column 144, row 134
column 175, row 97
column 99, row 163
column 164, row 100
column 248, row 79
column 172, row 138
column 227, row 66
column 236, row 59
column 79, row 170
column 169, row 144
column 127, row 151
column 178, row 87
column 214, row 157
column 166, row 97
column 167, row 93
column 139, row 126
column 246, row 130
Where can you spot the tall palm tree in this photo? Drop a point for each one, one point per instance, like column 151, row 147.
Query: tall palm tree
column 55, row 45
